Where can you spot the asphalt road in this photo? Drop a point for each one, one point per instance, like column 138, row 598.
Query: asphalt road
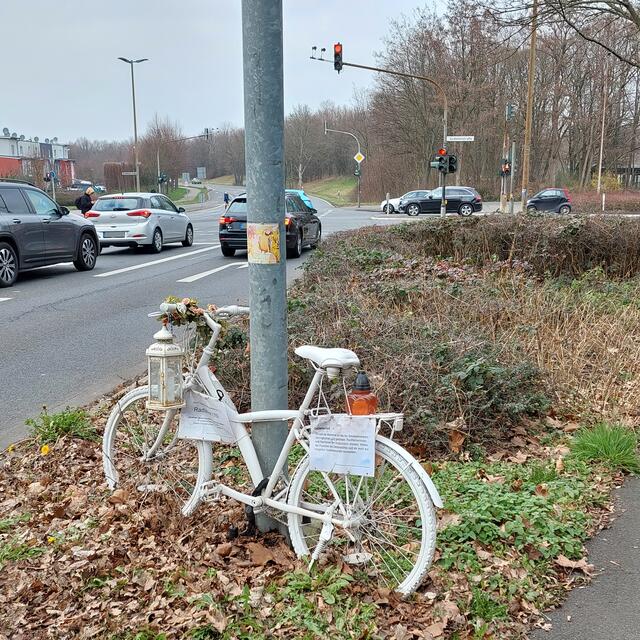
column 67, row 337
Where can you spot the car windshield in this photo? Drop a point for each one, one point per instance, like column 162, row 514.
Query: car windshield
column 117, row 204
column 237, row 206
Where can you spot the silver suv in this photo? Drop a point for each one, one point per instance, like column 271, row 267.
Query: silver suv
column 35, row 231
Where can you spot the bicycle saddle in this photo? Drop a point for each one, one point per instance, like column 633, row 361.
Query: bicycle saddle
column 340, row 358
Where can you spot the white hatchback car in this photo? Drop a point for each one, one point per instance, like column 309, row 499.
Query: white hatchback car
column 140, row 220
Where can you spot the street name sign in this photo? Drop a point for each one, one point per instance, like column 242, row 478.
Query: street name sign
column 461, row 138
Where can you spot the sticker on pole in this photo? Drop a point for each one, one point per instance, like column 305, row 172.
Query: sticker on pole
column 342, row 443
column 263, row 243
column 358, row 157
column 204, row 418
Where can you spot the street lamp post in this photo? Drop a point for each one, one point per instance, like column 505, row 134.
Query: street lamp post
column 348, row 133
column 135, row 124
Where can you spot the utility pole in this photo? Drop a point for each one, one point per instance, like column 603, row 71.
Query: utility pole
column 513, row 170
column 135, row 123
column 604, row 111
column 503, row 178
column 264, row 152
column 348, row 133
column 526, row 152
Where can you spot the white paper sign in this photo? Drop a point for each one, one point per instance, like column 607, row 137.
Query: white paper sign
column 204, row 418
column 342, row 443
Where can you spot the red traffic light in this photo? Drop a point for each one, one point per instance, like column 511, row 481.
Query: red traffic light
column 337, row 48
column 442, row 152
column 337, row 56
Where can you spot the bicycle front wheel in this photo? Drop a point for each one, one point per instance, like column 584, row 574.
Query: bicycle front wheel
column 391, row 534
column 142, row 455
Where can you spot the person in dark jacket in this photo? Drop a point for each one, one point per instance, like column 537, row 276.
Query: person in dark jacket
column 85, row 201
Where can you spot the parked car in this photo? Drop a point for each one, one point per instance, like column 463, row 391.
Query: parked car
column 461, row 200
column 394, row 203
column 196, row 181
column 556, row 200
column 148, row 220
column 303, row 196
column 100, row 188
column 35, row 231
column 303, row 227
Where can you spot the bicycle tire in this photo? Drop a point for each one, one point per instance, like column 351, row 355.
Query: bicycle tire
column 175, row 473
column 310, row 488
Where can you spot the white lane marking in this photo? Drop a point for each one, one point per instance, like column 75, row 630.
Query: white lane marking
column 203, row 244
column 326, row 213
column 5, row 299
column 244, row 266
column 153, row 262
column 204, row 274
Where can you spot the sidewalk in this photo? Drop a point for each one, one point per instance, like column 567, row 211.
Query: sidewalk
column 608, row 609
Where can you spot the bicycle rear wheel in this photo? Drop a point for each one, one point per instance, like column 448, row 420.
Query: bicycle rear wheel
column 393, row 532
column 172, row 474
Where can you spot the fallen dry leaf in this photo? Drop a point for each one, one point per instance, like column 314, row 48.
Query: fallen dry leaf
column 456, row 440
column 582, row 564
column 447, row 519
column 119, row 496
column 260, row 555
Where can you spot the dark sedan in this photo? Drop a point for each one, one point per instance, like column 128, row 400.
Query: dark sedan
column 555, row 200
column 303, row 227
column 35, row 231
column 461, row 200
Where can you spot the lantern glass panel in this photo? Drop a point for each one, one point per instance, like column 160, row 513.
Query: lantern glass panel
column 174, row 379
column 155, row 380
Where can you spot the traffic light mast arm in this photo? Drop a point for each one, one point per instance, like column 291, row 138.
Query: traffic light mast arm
column 436, row 84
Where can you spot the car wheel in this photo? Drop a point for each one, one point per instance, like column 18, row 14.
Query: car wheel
column 465, row 209
column 188, row 237
column 317, row 242
column 565, row 209
column 156, row 243
column 531, row 209
column 228, row 251
column 8, row 265
column 413, row 210
column 388, row 208
column 87, row 253
column 296, row 252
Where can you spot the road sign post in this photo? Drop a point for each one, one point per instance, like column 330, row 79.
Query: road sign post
column 264, row 152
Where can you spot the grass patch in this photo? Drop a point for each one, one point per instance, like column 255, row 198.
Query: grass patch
column 6, row 524
column 614, row 446
column 228, row 181
column 177, row 194
column 48, row 427
column 13, row 550
column 339, row 191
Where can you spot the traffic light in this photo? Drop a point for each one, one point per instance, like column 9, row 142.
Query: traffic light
column 505, row 168
column 453, row 164
column 337, row 56
column 356, row 171
column 510, row 112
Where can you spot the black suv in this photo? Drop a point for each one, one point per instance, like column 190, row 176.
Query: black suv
column 302, row 226
column 461, row 200
column 35, row 231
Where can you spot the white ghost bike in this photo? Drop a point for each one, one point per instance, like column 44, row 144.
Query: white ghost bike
column 384, row 523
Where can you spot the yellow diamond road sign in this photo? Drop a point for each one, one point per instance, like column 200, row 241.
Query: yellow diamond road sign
column 358, row 157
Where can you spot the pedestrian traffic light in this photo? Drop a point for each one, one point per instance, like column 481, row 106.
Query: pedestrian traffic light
column 453, row 164
column 337, row 56
column 510, row 112
column 505, row 168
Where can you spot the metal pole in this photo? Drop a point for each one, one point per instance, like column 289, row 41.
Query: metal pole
column 53, row 184
column 513, row 170
column 135, row 130
column 604, row 111
column 158, row 168
column 264, row 151
column 529, row 116
column 503, row 181
column 443, row 176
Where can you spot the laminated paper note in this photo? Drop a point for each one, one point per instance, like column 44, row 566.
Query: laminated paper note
column 204, row 418
column 342, row 443
column 263, row 243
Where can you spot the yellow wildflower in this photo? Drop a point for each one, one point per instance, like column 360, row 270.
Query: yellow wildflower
column 51, row 539
column 44, row 449
column 10, row 448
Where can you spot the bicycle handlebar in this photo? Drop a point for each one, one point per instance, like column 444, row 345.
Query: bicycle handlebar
column 222, row 312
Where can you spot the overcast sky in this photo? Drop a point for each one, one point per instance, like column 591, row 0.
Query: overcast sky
column 62, row 77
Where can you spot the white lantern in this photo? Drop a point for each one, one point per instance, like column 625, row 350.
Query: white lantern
column 165, row 372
